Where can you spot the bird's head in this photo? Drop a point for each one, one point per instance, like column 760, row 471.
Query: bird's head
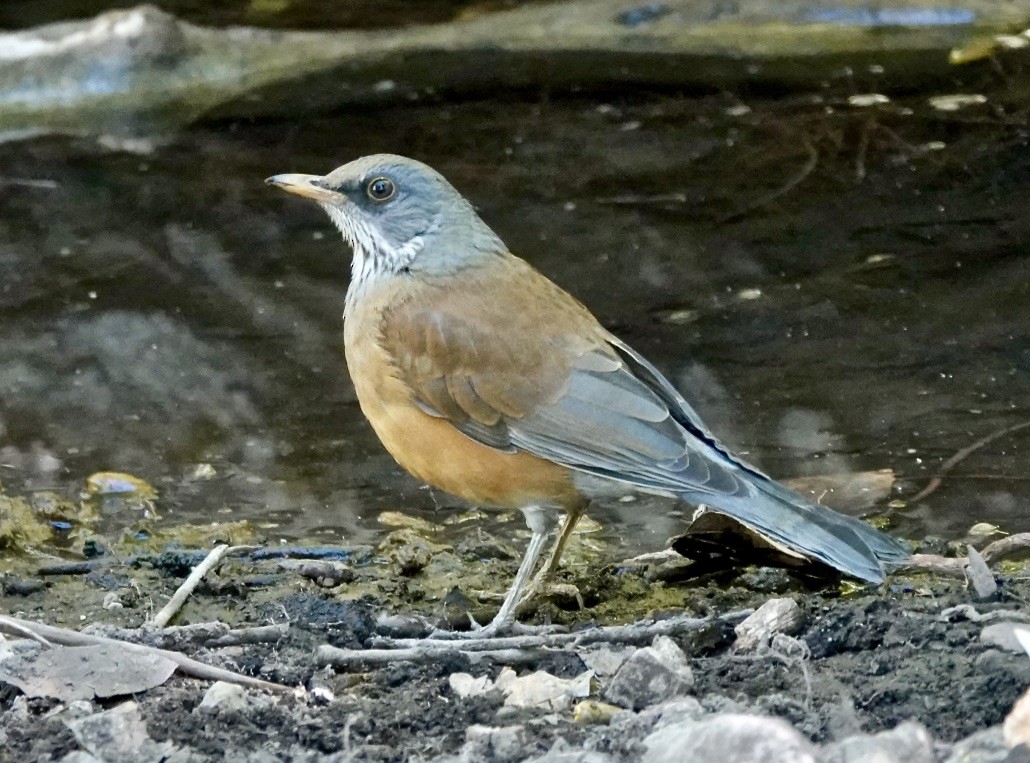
column 398, row 215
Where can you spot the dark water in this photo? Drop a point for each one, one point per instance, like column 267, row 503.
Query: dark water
column 835, row 289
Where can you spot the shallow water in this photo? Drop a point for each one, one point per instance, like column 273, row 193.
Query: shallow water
column 835, row 289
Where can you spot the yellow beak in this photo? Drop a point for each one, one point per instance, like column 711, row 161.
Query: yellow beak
column 308, row 186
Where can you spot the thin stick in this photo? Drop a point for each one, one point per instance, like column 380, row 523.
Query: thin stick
column 345, row 658
column 161, row 619
column 190, row 667
column 992, row 552
column 935, row 564
column 936, row 481
column 795, row 180
column 640, row 632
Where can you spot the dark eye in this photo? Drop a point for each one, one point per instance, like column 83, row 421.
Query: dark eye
column 381, row 189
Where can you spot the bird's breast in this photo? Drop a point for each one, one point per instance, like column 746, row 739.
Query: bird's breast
column 430, row 447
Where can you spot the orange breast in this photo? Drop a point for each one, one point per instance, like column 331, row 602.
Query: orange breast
column 430, row 448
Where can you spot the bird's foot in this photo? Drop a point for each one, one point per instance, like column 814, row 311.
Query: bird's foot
column 567, row 594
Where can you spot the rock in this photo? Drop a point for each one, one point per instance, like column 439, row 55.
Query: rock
column 78, row 756
column 775, row 616
column 909, row 742
column 987, row 746
column 119, row 735
column 591, row 711
column 572, row 756
column 541, row 690
column 466, row 685
column 605, row 660
column 1016, row 729
column 651, row 675
column 1003, row 635
column 72, row 673
column 160, row 73
column 980, row 576
column 224, row 696
column 630, row 725
column 737, row 738
column 495, row 743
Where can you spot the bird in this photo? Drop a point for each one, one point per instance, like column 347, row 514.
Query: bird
column 485, row 379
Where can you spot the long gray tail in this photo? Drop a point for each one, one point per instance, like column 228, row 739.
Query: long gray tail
column 842, row 542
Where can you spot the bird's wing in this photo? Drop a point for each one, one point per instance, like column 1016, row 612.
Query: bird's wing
column 551, row 382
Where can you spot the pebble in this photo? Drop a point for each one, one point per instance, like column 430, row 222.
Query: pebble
column 775, row 616
column 653, row 674
column 737, row 738
column 1003, row 635
column 541, row 690
column 908, row 742
column 222, row 696
column 986, row 746
column 501, row 744
column 1016, row 729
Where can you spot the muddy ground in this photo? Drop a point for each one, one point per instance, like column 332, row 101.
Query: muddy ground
column 864, row 660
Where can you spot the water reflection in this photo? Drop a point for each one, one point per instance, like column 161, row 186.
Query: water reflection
column 862, row 311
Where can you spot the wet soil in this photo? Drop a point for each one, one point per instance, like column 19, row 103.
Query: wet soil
column 864, row 661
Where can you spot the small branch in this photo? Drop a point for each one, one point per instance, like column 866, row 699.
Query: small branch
column 162, row 618
column 429, row 652
column 936, row 481
column 793, row 182
column 1000, row 549
column 186, row 665
column 936, row 564
column 640, row 632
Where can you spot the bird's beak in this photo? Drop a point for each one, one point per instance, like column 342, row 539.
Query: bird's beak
column 308, row 186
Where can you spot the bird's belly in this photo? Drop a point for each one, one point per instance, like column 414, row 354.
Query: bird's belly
column 438, row 454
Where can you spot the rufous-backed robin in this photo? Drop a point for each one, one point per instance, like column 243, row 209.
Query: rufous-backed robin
column 485, row 379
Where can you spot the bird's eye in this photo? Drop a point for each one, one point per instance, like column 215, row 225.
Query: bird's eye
column 381, row 189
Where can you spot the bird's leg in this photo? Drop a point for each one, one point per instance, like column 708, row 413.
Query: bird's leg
column 541, row 523
column 539, row 583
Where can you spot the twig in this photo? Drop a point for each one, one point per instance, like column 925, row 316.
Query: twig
column 639, row 632
column 863, row 149
column 969, row 612
column 999, row 549
column 161, row 619
column 936, row 564
column 793, row 182
column 14, row 627
column 212, row 635
column 185, row 664
column 346, row 658
column 936, row 481
column 953, row 566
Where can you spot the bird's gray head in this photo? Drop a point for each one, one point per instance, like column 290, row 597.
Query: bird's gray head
column 399, row 216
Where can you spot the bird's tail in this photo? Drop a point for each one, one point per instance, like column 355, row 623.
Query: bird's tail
column 845, row 543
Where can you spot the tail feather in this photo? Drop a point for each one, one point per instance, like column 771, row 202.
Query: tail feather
column 844, row 543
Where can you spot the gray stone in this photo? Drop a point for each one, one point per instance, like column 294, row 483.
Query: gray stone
column 605, row 660
column 119, row 735
column 987, row 746
column 909, row 742
column 651, row 675
column 980, row 576
column 496, row 743
column 78, row 756
column 160, row 73
column 638, row 725
column 775, row 616
column 737, row 738
column 1002, row 635
column 222, row 695
column 572, row 756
